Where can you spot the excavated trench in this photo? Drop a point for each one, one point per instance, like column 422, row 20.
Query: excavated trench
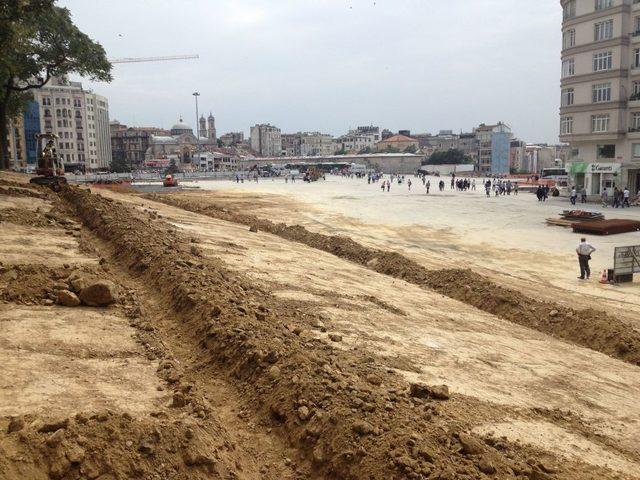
column 348, row 415
column 588, row 328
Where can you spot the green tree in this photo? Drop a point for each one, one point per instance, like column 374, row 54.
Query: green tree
column 448, row 157
column 342, row 151
column 39, row 41
column 391, row 149
column 172, row 168
column 120, row 165
column 364, row 151
column 411, row 149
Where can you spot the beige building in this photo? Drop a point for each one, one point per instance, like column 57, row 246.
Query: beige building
column 399, row 143
column 266, row 140
column 600, row 92
column 307, row 144
column 359, row 140
column 17, row 143
column 80, row 119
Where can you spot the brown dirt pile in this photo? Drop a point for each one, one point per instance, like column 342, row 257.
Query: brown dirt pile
column 108, row 446
column 16, row 189
column 347, row 414
column 589, row 328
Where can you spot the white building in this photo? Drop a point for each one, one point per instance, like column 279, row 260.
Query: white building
column 600, row 96
column 266, row 140
column 358, row 140
column 80, row 118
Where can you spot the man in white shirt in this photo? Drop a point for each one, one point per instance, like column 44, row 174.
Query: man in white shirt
column 625, row 197
column 584, row 252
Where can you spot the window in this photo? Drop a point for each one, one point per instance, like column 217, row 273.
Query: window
column 635, row 89
column 602, row 92
column 566, row 125
column 599, row 123
column 569, row 38
column 602, row 4
column 567, row 97
column 568, row 68
column 606, row 151
column 635, row 149
column 635, row 122
column 636, row 58
column 604, row 30
column 602, row 61
column 569, row 10
column 57, row 101
column 636, row 25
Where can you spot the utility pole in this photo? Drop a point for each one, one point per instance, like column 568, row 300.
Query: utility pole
column 196, row 95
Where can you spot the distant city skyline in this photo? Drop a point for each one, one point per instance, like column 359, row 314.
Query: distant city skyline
column 334, row 65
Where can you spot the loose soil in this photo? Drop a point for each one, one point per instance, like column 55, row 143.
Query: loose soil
column 590, row 328
column 251, row 377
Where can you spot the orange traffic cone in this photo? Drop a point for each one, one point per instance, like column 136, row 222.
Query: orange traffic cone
column 604, row 276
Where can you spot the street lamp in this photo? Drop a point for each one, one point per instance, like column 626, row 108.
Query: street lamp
column 196, row 95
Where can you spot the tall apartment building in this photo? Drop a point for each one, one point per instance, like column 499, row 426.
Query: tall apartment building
column 494, row 144
column 232, row 138
column 17, row 143
column 266, row 140
column 80, row 118
column 600, row 92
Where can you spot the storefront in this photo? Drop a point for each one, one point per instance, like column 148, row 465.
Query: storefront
column 594, row 177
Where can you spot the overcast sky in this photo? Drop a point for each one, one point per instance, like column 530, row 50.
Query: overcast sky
column 328, row 65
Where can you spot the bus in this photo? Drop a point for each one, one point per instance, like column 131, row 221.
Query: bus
column 557, row 174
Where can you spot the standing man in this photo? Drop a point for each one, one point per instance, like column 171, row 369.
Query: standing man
column 584, row 252
column 583, row 195
column 573, row 196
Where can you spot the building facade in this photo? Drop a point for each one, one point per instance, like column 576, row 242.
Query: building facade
column 266, row 140
column 307, row 144
column 129, row 145
column 398, row 143
column 600, row 92
column 180, row 144
column 359, row 140
column 494, row 144
column 232, row 138
column 80, row 119
column 17, row 144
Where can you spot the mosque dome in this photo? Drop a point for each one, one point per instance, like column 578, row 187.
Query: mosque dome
column 180, row 128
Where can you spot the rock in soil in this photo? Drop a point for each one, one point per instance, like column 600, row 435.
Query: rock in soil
column 67, row 298
column 98, row 294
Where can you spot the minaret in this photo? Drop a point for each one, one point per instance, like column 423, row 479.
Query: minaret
column 212, row 128
column 202, row 131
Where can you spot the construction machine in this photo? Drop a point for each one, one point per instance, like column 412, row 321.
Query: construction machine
column 50, row 169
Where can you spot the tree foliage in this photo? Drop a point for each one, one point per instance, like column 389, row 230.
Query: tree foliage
column 411, row 149
column 40, row 41
column 448, row 157
column 120, row 165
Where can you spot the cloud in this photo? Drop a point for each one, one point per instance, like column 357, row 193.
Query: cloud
column 331, row 64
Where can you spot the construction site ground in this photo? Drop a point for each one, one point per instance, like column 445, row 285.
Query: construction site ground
column 236, row 353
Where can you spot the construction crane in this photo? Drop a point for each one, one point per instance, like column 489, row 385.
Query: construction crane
column 152, row 59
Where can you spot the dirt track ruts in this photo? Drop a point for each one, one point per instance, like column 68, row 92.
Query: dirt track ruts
column 589, row 328
column 348, row 415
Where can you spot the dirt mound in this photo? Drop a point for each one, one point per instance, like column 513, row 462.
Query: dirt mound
column 109, row 446
column 16, row 189
column 348, row 415
column 589, row 328
column 40, row 285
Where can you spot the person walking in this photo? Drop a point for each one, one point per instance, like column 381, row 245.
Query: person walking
column 428, row 185
column 409, row 184
column 616, row 198
column 625, row 197
column 583, row 195
column 584, row 252
column 604, row 196
column 573, row 196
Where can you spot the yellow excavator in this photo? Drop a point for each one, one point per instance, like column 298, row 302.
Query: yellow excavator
column 50, row 169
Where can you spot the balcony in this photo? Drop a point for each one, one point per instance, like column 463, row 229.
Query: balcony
column 634, row 100
column 634, row 133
